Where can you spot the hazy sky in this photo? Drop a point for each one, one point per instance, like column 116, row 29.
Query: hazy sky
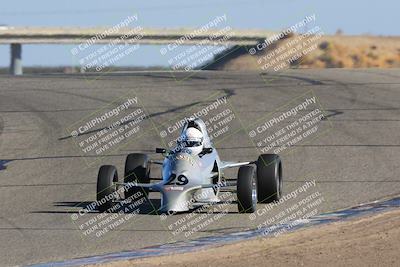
column 351, row 16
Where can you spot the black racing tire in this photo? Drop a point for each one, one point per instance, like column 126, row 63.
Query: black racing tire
column 106, row 178
column 137, row 169
column 269, row 178
column 246, row 189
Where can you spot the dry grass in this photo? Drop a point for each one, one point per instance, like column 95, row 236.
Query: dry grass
column 336, row 51
column 341, row 52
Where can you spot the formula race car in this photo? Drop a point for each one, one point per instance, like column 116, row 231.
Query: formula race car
column 192, row 176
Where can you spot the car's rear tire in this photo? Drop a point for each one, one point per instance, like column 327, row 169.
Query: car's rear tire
column 246, row 190
column 269, row 178
column 106, row 178
column 137, row 169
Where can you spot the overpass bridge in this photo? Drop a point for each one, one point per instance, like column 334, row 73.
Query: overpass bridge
column 17, row 36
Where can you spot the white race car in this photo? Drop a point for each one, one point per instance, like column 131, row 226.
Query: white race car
column 192, row 176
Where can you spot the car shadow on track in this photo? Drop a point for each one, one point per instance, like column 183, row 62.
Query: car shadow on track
column 150, row 207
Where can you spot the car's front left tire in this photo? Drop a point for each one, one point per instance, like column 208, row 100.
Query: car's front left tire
column 137, row 170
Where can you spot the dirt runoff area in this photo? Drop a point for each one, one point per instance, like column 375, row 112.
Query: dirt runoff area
column 366, row 241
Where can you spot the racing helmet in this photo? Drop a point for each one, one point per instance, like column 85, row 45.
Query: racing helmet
column 193, row 140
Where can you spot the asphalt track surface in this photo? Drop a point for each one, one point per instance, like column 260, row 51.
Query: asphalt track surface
column 45, row 179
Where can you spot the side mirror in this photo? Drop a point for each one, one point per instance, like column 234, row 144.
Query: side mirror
column 207, row 150
column 160, row 150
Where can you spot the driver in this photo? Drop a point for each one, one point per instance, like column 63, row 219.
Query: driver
column 192, row 140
